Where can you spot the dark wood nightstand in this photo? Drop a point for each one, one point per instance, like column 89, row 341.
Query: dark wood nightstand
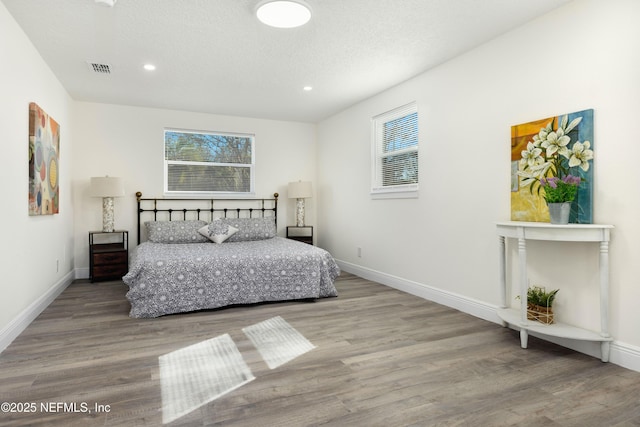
column 301, row 234
column 108, row 255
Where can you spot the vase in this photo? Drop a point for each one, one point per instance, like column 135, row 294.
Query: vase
column 559, row 212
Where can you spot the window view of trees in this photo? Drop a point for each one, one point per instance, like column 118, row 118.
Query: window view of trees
column 400, row 151
column 208, row 162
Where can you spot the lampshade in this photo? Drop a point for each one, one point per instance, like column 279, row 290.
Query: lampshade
column 107, row 186
column 299, row 190
column 283, row 14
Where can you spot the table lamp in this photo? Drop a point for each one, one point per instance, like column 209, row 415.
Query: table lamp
column 299, row 190
column 107, row 187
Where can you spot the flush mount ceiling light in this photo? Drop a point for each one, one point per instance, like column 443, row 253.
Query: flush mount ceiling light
column 109, row 3
column 283, row 14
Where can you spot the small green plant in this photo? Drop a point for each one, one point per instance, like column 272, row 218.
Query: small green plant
column 537, row 295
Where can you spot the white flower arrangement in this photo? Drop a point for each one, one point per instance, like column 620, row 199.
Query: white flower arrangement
column 550, row 156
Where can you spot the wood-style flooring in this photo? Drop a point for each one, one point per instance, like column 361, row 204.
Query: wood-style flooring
column 383, row 358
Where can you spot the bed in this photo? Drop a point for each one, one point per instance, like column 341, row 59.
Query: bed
column 209, row 254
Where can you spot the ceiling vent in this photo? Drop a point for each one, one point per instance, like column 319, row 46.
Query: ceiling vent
column 99, row 68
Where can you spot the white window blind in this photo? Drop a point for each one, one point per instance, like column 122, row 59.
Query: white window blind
column 208, row 162
column 395, row 150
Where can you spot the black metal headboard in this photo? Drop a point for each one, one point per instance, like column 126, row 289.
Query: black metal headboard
column 203, row 209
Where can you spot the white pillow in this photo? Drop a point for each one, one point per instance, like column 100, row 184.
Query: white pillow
column 217, row 231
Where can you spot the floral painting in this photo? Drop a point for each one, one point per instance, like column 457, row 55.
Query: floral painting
column 552, row 160
column 44, row 151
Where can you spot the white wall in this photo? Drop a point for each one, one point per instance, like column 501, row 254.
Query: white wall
column 584, row 55
column 129, row 142
column 37, row 251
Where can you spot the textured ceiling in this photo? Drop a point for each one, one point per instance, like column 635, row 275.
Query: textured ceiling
column 214, row 56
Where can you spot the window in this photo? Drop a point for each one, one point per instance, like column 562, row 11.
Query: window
column 208, row 162
column 395, row 152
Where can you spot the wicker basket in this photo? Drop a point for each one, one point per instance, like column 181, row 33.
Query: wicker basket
column 540, row 314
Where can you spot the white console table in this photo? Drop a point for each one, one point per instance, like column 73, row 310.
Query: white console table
column 523, row 231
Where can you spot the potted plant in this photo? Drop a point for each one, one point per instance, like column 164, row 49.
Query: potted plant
column 559, row 194
column 540, row 304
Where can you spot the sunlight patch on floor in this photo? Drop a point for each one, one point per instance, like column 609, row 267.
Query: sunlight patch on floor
column 193, row 376
column 277, row 341
column 200, row 373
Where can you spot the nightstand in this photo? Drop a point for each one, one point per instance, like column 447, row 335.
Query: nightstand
column 108, row 255
column 301, row 234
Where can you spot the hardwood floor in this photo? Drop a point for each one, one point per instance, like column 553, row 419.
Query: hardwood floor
column 383, row 358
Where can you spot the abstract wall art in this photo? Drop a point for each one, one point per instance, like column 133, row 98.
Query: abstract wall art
column 44, row 154
column 560, row 146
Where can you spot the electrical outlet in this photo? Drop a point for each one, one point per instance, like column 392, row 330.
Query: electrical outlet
column 57, row 266
column 359, row 250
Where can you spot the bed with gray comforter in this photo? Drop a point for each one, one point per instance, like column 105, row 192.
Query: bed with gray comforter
column 166, row 278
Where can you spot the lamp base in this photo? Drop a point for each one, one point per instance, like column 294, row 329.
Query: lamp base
column 300, row 213
column 107, row 214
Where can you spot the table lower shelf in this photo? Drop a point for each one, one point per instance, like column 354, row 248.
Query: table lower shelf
column 513, row 316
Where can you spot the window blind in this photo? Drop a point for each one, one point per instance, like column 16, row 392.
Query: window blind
column 207, row 162
column 395, row 148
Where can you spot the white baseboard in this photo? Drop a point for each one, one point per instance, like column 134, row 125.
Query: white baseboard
column 625, row 355
column 28, row 315
column 467, row 305
column 621, row 354
column 82, row 273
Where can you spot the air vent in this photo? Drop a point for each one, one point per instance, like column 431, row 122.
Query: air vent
column 99, row 68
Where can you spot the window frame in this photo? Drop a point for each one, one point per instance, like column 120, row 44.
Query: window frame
column 207, row 194
column 378, row 189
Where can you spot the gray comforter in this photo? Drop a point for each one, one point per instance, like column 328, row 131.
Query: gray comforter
column 174, row 278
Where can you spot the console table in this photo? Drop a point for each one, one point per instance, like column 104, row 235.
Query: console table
column 523, row 231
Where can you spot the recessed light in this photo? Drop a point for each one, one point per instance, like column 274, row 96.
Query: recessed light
column 283, row 14
column 307, row 88
column 149, row 67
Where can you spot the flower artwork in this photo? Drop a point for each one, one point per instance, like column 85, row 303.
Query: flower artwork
column 552, row 162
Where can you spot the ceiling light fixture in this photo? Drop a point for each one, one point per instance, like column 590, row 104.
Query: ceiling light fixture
column 307, row 88
column 283, row 14
column 149, row 67
column 109, row 3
